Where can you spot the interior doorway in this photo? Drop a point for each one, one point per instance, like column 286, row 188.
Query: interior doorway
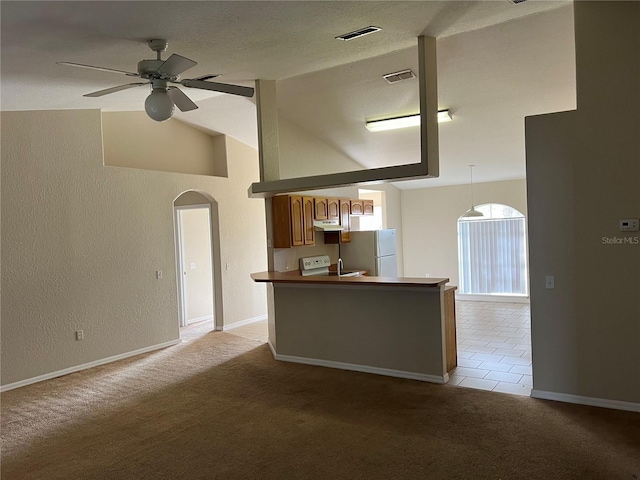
column 195, row 264
column 197, row 261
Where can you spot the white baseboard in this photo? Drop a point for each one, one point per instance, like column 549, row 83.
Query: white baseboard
column 273, row 350
column 85, row 366
column 591, row 401
column 361, row 368
column 468, row 297
column 242, row 323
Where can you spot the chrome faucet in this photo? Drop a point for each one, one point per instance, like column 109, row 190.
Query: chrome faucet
column 340, row 266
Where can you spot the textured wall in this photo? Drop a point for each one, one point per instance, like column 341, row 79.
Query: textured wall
column 81, row 243
column 582, row 177
column 430, row 223
column 303, row 155
column 132, row 139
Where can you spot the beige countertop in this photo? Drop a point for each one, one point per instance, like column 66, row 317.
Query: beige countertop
column 365, row 280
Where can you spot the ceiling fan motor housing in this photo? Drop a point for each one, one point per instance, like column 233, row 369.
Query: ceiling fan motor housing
column 149, row 69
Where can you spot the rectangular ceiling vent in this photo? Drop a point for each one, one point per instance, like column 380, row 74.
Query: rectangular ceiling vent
column 396, row 77
column 358, row 33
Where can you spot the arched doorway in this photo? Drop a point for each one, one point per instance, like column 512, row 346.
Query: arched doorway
column 197, row 238
column 492, row 252
column 493, row 317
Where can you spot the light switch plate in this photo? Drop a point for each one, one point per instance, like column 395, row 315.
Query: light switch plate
column 550, row 282
column 629, row 224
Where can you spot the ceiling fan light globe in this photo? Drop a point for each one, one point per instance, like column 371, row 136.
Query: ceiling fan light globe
column 159, row 106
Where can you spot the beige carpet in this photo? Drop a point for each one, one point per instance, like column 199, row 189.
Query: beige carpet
column 219, row 406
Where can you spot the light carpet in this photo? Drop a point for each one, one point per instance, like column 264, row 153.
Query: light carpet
column 220, row 407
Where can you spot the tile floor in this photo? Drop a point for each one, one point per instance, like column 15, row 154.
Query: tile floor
column 254, row 331
column 494, row 347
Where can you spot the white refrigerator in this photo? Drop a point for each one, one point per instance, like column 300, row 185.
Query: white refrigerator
column 374, row 251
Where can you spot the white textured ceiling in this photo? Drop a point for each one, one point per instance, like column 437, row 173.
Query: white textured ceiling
column 490, row 77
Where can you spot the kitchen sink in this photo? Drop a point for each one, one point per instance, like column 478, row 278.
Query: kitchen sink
column 346, row 273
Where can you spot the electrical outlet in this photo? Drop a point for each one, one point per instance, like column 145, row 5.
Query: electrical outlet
column 427, row 275
column 79, row 335
column 158, row 274
column 227, row 266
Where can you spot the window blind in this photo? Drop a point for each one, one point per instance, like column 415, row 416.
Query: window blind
column 492, row 256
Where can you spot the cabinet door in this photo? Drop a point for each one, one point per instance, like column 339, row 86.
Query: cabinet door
column 345, row 221
column 356, row 207
column 367, row 207
column 308, row 205
column 321, row 208
column 333, row 209
column 297, row 221
column 281, row 213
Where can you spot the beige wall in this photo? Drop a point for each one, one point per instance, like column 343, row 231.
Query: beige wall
column 81, row 243
column 430, row 223
column 582, row 177
column 402, row 326
column 132, row 139
column 303, row 155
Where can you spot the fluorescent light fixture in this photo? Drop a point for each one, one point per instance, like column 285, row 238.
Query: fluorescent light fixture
column 444, row 116
column 403, row 122
column 358, row 33
column 393, row 123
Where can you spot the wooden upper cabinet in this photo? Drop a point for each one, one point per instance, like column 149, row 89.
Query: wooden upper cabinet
column 367, row 207
column 345, row 221
column 290, row 227
column 333, row 209
column 321, row 208
column 297, row 221
column 309, row 233
column 357, row 207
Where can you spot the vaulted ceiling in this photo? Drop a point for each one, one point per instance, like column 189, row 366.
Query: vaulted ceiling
column 497, row 62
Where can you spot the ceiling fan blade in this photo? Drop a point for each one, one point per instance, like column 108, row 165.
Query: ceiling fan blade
column 207, row 77
column 107, row 91
column 176, row 64
column 180, row 100
column 219, row 87
column 70, row 64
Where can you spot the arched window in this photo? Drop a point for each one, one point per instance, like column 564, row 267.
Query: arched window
column 492, row 252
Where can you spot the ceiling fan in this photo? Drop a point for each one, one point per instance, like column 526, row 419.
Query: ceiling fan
column 159, row 73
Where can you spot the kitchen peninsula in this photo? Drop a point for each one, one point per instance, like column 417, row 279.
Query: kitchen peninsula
column 389, row 326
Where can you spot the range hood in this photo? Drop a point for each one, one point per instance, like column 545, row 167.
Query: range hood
column 328, row 225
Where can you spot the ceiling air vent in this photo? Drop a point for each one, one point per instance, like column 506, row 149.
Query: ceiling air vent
column 515, row 2
column 396, row 77
column 358, row 33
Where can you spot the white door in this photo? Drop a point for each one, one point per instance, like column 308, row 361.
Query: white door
column 195, row 265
